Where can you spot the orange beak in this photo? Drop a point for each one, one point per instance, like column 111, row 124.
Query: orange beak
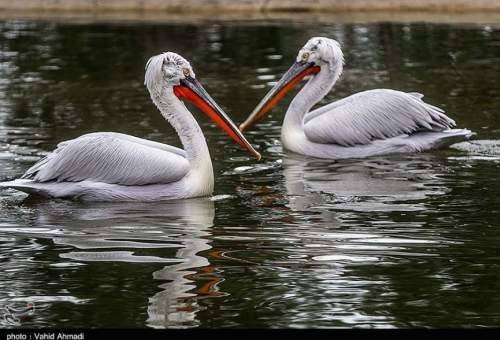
column 291, row 78
column 192, row 90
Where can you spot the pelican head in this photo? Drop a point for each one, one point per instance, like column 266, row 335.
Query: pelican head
column 166, row 70
column 321, row 52
column 169, row 72
column 317, row 54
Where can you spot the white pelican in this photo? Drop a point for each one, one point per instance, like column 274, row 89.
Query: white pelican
column 368, row 123
column 109, row 166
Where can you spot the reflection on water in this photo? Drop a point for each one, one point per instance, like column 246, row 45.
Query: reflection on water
column 374, row 184
column 172, row 232
column 338, row 221
column 479, row 150
column 396, row 241
column 177, row 305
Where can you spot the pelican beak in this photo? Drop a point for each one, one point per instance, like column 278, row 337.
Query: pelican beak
column 292, row 77
column 192, row 90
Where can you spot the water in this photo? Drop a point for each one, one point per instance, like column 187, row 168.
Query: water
column 396, row 241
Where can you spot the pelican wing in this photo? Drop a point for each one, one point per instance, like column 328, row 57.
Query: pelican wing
column 375, row 114
column 111, row 158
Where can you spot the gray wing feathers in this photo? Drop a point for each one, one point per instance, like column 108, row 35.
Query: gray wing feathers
column 146, row 142
column 110, row 158
column 416, row 94
column 376, row 114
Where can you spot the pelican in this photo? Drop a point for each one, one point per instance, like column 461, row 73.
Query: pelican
column 368, row 123
column 108, row 166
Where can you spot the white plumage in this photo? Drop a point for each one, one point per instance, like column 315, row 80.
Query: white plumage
column 108, row 166
column 376, row 114
column 112, row 158
column 368, row 123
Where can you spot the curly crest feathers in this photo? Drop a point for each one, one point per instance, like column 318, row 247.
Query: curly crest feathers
column 164, row 69
column 328, row 51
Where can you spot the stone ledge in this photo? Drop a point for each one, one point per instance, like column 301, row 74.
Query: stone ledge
column 252, row 5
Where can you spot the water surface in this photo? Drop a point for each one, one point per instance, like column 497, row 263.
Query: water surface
column 396, row 241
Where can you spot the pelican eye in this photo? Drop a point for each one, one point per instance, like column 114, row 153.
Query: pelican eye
column 186, row 72
column 305, row 56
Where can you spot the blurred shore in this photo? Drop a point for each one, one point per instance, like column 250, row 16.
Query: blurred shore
column 452, row 11
column 253, row 5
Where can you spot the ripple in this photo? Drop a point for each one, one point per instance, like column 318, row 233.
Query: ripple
column 345, row 236
column 274, row 56
column 257, row 86
column 53, row 298
column 379, row 206
column 480, row 147
column 64, row 265
column 343, row 258
column 93, row 243
column 252, row 169
column 266, row 77
column 218, row 198
column 114, row 256
column 46, row 231
column 398, row 240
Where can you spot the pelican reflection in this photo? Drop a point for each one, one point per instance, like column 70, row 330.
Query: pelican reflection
column 373, row 184
column 173, row 232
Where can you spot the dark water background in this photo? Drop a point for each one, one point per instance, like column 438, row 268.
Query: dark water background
column 397, row 241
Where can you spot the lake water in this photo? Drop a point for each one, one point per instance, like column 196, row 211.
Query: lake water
column 396, row 241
